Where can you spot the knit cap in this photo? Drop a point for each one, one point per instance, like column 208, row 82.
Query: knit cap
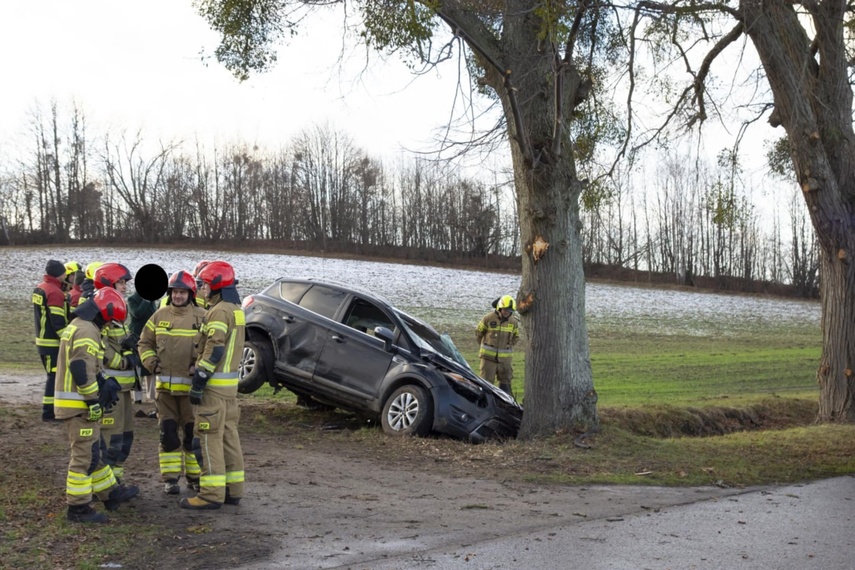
column 55, row 268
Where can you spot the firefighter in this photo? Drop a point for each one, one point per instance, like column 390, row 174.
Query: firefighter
column 167, row 348
column 213, row 392
column 51, row 317
column 497, row 333
column 120, row 362
column 79, row 404
column 73, row 279
column 87, row 287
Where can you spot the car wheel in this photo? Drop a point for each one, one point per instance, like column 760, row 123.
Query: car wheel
column 256, row 361
column 407, row 411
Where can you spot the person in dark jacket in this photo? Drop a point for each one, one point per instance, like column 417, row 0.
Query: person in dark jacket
column 51, row 318
column 140, row 311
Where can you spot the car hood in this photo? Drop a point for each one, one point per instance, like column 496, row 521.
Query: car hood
column 446, row 364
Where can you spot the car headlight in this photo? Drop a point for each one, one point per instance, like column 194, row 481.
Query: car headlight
column 456, row 380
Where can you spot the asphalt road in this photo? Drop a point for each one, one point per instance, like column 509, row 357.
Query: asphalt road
column 794, row 527
column 798, row 527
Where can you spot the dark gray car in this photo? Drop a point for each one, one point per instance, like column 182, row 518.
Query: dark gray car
column 348, row 348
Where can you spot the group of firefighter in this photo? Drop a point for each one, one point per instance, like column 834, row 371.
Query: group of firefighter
column 189, row 348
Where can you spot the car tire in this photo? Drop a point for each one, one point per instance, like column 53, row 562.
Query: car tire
column 257, row 359
column 408, row 411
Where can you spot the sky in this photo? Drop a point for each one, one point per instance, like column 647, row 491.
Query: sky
column 137, row 65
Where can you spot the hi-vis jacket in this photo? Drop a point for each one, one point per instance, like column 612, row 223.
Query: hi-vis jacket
column 220, row 346
column 116, row 361
column 51, row 313
column 168, row 340
column 497, row 336
column 81, row 341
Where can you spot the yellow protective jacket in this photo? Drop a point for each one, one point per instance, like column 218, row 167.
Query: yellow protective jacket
column 220, row 346
column 497, row 336
column 81, row 341
column 116, row 361
column 168, row 341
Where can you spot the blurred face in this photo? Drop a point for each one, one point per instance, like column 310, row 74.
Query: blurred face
column 122, row 287
column 506, row 313
column 205, row 290
column 180, row 297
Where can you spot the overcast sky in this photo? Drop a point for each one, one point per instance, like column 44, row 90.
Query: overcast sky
column 133, row 65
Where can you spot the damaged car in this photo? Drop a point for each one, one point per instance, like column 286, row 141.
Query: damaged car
column 344, row 347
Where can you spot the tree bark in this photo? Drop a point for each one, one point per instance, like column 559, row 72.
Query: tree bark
column 813, row 102
column 538, row 90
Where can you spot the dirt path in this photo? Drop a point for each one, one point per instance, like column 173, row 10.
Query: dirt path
column 326, row 504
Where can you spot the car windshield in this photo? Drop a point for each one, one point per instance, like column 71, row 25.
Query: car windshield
column 427, row 338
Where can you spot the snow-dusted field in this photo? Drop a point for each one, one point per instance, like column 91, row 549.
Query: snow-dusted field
column 446, row 296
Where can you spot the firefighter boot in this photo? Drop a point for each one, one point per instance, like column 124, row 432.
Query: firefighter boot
column 231, row 500
column 198, row 504
column 120, row 494
column 171, row 487
column 85, row 514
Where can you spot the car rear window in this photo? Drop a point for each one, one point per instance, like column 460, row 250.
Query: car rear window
column 323, row 300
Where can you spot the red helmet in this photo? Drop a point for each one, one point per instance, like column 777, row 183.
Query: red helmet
column 182, row 280
column 200, row 266
column 111, row 305
column 217, row 274
column 109, row 274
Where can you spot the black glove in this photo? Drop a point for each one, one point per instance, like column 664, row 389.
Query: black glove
column 195, row 396
column 200, row 379
column 132, row 360
column 130, row 342
column 109, row 393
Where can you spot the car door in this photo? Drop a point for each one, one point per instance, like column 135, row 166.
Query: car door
column 303, row 332
column 353, row 360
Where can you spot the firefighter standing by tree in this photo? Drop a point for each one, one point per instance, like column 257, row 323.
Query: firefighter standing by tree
column 167, row 349
column 117, row 428
column 214, row 392
column 51, row 316
column 497, row 333
column 79, row 403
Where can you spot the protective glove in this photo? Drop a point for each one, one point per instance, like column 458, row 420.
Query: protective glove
column 130, row 342
column 196, row 396
column 109, row 393
column 131, row 360
column 200, row 379
column 95, row 411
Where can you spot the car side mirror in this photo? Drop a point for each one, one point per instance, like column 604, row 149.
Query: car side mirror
column 386, row 335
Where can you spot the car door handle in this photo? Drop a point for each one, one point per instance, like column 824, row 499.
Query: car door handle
column 288, row 319
column 337, row 338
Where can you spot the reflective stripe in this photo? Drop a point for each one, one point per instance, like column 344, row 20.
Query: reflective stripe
column 78, row 484
column 174, row 383
column 234, row 477
column 191, row 466
column 213, row 481
column 48, row 342
column 170, row 462
column 103, row 479
column 68, row 396
column 224, row 379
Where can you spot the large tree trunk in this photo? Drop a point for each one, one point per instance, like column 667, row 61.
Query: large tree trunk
column 813, row 102
column 538, row 99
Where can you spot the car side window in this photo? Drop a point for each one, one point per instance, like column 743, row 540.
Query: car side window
column 322, row 300
column 292, row 291
column 364, row 316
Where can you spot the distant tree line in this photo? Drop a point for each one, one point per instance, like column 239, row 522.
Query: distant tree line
column 689, row 223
